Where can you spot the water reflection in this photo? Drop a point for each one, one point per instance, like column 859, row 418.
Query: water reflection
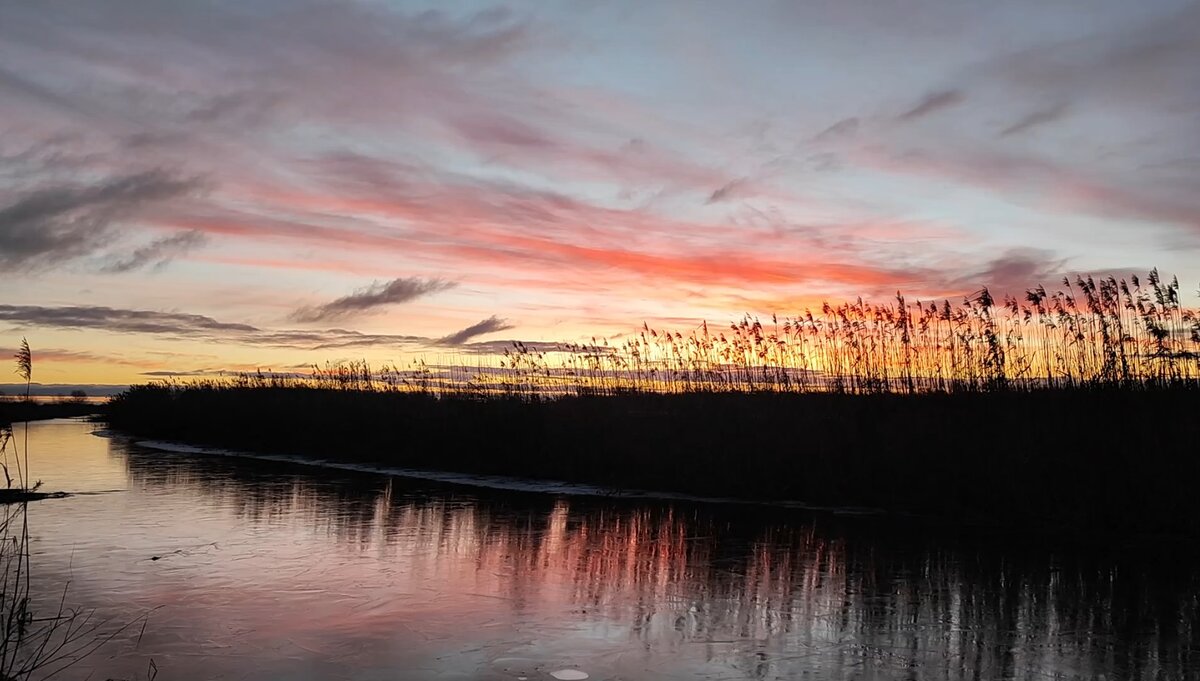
column 463, row 584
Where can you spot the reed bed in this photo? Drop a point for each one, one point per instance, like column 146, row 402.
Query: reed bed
column 1074, row 410
column 1131, row 334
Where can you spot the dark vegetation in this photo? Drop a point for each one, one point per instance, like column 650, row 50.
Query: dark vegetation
column 1100, row 459
column 1072, row 410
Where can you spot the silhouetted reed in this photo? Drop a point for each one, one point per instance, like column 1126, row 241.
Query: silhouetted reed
column 1131, row 334
column 1075, row 409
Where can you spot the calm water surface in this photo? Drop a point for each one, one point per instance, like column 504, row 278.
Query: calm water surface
column 271, row 571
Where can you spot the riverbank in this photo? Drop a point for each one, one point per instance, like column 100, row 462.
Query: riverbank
column 1105, row 460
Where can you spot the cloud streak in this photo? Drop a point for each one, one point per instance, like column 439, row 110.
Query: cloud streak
column 489, row 325
column 59, row 355
column 843, row 129
column 1034, row 119
column 179, row 325
column 120, row 320
column 933, row 103
column 1015, row 271
column 727, row 191
column 50, row 225
column 157, row 253
column 370, row 298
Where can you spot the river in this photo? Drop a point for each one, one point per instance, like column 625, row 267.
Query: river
column 247, row 569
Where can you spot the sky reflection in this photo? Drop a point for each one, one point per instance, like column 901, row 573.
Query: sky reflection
column 268, row 571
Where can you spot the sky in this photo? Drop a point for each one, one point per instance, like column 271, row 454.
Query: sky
column 194, row 187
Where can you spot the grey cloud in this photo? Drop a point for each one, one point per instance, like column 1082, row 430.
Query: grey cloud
column 304, row 48
column 17, row 85
column 726, row 191
column 66, row 222
column 244, row 107
column 501, row 131
column 1034, row 119
column 1168, row 197
column 1015, row 271
column 847, row 127
column 933, row 102
column 1154, row 65
column 120, row 320
column 333, row 339
column 193, row 326
column 158, row 253
column 145, row 140
column 52, row 157
column 376, row 295
column 489, row 325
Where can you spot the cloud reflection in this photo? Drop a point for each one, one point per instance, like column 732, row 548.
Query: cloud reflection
column 709, row 590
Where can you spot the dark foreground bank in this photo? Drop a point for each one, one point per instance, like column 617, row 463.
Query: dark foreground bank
column 1102, row 461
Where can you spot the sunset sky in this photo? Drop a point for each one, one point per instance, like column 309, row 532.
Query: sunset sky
column 194, row 187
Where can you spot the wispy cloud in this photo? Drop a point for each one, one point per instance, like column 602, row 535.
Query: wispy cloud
column 180, row 325
column 1015, row 271
column 120, row 320
column 1149, row 64
column 1171, row 198
column 59, row 355
column 1034, row 119
column 378, row 294
column 932, row 103
column 845, row 128
column 59, row 223
column 157, row 253
column 727, row 191
column 489, row 325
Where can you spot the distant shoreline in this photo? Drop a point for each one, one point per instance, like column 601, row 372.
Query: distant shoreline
column 1100, row 461
column 14, row 411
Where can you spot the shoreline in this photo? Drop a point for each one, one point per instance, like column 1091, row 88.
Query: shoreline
column 22, row 411
column 899, row 521
column 495, row 482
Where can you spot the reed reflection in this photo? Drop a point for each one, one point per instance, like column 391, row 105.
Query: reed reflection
column 709, row 588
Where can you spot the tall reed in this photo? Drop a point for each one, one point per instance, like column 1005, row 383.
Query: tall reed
column 1090, row 333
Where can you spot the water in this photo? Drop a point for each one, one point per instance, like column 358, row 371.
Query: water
column 265, row 570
